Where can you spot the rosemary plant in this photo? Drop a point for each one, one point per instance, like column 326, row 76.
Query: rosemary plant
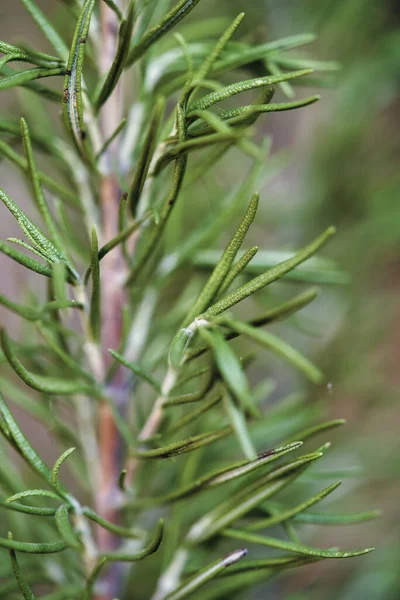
column 147, row 397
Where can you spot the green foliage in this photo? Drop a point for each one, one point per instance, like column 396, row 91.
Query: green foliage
column 116, row 266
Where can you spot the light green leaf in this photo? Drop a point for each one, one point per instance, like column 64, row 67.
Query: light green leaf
column 284, row 545
column 271, row 275
column 221, row 270
column 21, row 78
column 205, row 575
column 243, row 501
column 151, row 548
column 73, row 105
column 278, row 347
column 22, row 444
column 95, row 302
column 47, row 28
column 146, row 154
column 124, row 40
column 42, row 383
column 184, row 446
column 242, row 86
column 178, row 12
column 283, row 516
column 238, row 421
column 57, row 466
column 229, row 366
column 65, row 528
column 137, row 370
column 22, row 583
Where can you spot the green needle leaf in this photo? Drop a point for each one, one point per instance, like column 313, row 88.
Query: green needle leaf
column 137, row 370
column 230, row 368
column 23, row 311
column 279, row 347
column 57, row 466
column 65, row 528
column 180, row 10
column 146, row 154
column 47, row 28
column 124, row 532
column 73, row 105
column 281, row 517
column 21, row 78
column 321, row 519
column 22, row 583
column 240, row 503
column 206, row 574
column 124, row 40
column 49, row 183
column 239, row 425
column 242, row 86
column 22, row 444
column 316, row 429
column 31, row 230
column 32, row 493
column 42, row 383
column 95, row 302
column 284, row 545
column 271, row 275
column 38, row 191
column 229, row 473
column 33, row 548
column 152, row 547
column 222, row 268
column 237, row 269
column 184, row 446
column 216, row 52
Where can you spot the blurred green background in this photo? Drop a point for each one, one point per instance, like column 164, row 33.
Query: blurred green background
column 340, row 165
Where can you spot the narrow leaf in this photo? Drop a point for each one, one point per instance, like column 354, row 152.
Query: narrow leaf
column 95, row 302
column 178, row 12
column 24, row 447
column 30, row 229
column 281, row 517
column 152, row 547
column 278, row 347
column 223, row 266
column 32, row 548
column 271, row 275
column 239, row 425
column 205, row 575
column 229, row 473
column 242, row 86
column 65, row 528
column 184, row 446
column 38, row 191
column 322, row 519
column 137, row 370
column 237, row 269
column 124, row 40
column 240, row 503
column 73, row 104
column 57, row 466
column 229, row 366
column 42, row 383
column 47, row 28
column 22, row 583
column 146, row 155
column 21, row 78
column 284, row 545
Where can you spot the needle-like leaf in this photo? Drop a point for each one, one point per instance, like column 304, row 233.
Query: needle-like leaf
column 124, row 40
column 176, row 14
column 205, row 575
column 22, row 583
column 42, row 383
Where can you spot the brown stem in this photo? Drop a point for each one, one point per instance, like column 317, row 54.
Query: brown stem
column 112, row 302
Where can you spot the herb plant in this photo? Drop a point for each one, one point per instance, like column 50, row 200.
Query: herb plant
column 168, row 450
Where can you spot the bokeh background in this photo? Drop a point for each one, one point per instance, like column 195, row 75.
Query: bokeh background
column 339, row 164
